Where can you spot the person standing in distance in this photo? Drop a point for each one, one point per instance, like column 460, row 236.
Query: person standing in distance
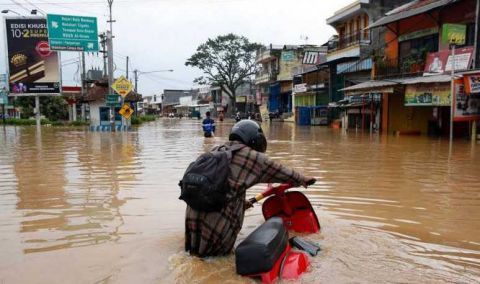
column 208, row 126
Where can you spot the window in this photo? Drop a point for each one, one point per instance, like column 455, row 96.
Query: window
column 470, row 36
column 104, row 113
column 417, row 49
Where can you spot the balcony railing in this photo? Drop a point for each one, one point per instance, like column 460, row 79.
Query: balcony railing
column 264, row 54
column 405, row 67
column 265, row 76
column 350, row 39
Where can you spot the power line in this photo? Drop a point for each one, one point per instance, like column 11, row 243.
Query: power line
column 20, row 5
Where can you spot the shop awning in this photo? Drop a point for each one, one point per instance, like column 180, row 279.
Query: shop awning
column 427, row 79
column 370, row 85
column 409, row 10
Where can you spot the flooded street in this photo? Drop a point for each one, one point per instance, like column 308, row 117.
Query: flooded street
column 90, row 207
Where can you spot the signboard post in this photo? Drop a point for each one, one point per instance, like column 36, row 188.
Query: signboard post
column 123, row 87
column 72, row 33
column 453, row 34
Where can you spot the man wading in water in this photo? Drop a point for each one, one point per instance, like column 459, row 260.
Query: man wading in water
column 213, row 233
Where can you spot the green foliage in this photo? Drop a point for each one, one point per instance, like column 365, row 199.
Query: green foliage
column 53, row 108
column 137, row 120
column 22, row 121
column 227, row 61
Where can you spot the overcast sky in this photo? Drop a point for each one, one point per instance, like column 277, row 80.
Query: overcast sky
column 162, row 34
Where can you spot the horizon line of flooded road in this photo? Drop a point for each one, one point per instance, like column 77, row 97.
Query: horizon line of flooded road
column 79, row 206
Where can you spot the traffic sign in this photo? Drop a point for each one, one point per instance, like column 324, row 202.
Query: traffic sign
column 122, row 86
column 72, row 33
column 126, row 111
column 113, row 100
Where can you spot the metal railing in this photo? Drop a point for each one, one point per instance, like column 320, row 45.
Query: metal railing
column 394, row 67
column 349, row 39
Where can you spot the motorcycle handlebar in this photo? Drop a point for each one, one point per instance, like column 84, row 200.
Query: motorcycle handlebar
column 277, row 189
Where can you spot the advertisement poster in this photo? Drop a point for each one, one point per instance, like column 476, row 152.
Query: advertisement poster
column 34, row 68
column 427, row 95
column 467, row 98
column 441, row 62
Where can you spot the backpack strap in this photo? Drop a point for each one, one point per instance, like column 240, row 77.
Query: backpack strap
column 230, row 150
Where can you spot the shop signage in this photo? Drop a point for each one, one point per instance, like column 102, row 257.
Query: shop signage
column 467, row 104
column 454, row 33
column 240, row 99
column 441, row 62
column 300, row 88
column 311, row 58
column 288, row 55
column 34, row 68
column 418, row 34
column 427, row 95
column 72, row 33
column 472, row 83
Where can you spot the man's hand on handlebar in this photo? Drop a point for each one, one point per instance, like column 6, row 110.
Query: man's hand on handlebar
column 308, row 181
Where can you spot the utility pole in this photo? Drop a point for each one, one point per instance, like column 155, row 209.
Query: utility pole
column 110, row 64
column 127, row 68
column 83, row 86
column 104, row 53
column 135, row 73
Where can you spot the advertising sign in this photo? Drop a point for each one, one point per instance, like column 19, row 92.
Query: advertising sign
column 241, row 99
column 467, row 105
column 72, row 33
column 441, row 62
column 288, row 55
column 427, row 95
column 472, row 83
column 454, row 33
column 122, row 86
column 34, row 68
column 300, row 88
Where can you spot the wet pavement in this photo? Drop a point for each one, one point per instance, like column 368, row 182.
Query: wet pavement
column 88, row 207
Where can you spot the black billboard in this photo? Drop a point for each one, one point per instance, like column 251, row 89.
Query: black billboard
column 34, row 68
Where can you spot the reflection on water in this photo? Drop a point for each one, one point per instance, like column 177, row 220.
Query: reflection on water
column 105, row 206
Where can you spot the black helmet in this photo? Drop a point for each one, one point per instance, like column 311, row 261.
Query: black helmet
column 249, row 133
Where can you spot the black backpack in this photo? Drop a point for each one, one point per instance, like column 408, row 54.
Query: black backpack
column 204, row 185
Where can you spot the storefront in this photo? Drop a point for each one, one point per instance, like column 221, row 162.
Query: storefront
column 366, row 105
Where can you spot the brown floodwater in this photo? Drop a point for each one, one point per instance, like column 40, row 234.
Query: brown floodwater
column 89, row 207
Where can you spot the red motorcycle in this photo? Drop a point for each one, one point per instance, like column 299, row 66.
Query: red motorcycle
column 267, row 252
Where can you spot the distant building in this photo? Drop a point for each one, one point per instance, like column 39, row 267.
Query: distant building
column 279, row 64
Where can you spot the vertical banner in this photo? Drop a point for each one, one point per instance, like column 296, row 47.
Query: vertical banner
column 34, row 68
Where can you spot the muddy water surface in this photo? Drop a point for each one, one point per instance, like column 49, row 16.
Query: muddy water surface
column 83, row 207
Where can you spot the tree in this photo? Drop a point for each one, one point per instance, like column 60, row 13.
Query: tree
column 53, row 108
column 227, row 62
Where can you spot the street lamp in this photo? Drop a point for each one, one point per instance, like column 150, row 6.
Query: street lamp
column 10, row 11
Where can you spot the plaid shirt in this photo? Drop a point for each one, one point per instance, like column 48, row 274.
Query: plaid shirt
column 214, row 233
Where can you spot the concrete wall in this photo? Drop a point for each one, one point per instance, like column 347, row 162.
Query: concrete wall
column 95, row 112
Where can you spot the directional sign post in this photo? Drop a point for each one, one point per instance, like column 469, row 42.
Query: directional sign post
column 72, row 33
column 122, row 86
column 113, row 100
